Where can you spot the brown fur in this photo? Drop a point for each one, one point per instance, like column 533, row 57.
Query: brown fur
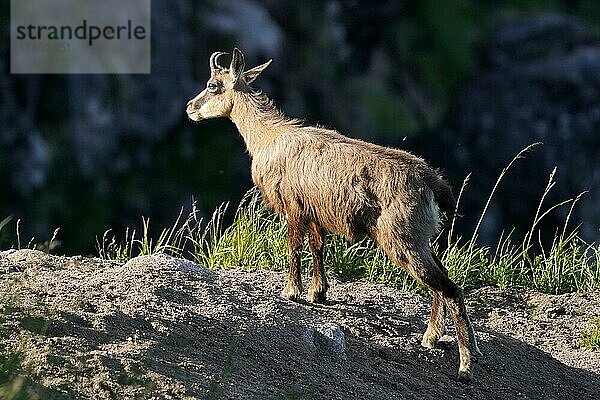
column 322, row 181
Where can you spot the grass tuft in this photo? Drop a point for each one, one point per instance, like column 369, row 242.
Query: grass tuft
column 591, row 338
column 7, row 240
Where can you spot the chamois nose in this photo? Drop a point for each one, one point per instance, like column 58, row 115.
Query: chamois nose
column 190, row 106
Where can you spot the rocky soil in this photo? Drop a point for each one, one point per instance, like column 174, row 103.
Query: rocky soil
column 163, row 328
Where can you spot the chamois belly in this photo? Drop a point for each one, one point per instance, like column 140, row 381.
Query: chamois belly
column 348, row 211
column 342, row 202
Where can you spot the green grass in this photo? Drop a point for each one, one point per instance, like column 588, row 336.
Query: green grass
column 591, row 338
column 257, row 240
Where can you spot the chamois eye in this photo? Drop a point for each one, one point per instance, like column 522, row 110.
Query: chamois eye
column 212, row 87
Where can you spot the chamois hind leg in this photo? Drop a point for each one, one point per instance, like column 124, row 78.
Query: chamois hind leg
column 293, row 288
column 475, row 352
column 420, row 264
column 437, row 321
column 316, row 241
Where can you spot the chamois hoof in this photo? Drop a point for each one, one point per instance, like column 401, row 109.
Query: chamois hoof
column 291, row 292
column 431, row 338
column 429, row 341
column 316, row 296
column 464, row 376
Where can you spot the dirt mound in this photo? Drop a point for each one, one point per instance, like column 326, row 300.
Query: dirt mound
column 159, row 327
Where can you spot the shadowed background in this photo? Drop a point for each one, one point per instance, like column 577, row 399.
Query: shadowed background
column 465, row 84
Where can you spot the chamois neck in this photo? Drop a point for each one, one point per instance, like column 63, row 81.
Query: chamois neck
column 258, row 120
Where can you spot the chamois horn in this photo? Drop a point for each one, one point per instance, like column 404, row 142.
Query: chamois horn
column 214, row 60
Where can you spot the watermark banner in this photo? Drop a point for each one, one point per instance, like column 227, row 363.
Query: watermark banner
column 80, row 36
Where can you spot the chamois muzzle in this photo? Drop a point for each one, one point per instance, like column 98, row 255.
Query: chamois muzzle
column 192, row 110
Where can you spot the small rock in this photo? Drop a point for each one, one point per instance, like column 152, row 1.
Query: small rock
column 326, row 338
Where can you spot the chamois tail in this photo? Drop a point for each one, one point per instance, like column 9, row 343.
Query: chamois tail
column 442, row 192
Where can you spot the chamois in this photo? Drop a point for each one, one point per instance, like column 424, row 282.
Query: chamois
column 323, row 181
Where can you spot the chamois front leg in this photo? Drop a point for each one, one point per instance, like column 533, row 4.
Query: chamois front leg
column 316, row 241
column 293, row 288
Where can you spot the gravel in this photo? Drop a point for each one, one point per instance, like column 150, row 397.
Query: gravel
column 164, row 328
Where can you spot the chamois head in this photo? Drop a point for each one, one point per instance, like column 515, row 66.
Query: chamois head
column 218, row 97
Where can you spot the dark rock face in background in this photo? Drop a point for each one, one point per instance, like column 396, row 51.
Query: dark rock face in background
column 539, row 82
column 89, row 153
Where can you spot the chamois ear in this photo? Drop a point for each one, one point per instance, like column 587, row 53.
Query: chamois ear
column 252, row 74
column 236, row 69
